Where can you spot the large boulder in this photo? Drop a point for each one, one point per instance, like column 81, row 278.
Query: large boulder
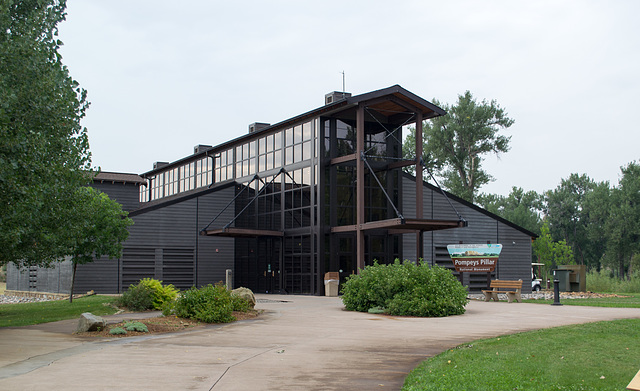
column 90, row 322
column 246, row 294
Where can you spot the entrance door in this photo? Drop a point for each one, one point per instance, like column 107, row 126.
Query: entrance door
column 268, row 259
column 346, row 256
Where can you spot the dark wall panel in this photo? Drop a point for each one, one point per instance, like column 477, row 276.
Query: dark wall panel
column 515, row 259
column 215, row 254
column 126, row 194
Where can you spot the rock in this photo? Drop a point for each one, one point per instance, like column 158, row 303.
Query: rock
column 90, row 322
column 246, row 294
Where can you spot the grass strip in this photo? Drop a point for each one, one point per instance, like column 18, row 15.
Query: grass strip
column 593, row 356
column 631, row 300
column 24, row 314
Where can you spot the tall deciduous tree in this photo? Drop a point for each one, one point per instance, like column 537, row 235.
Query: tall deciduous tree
column 566, row 214
column 456, row 144
column 98, row 226
column 520, row 207
column 44, row 155
column 597, row 212
column 623, row 226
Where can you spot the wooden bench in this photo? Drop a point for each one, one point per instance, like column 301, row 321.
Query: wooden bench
column 504, row 284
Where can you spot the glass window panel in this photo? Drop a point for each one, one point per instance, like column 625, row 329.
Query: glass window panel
column 306, row 131
column 245, row 151
column 277, row 158
column 289, row 136
column 269, row 142
column 269, row 161
column 297, row 154
column 277, row 141
column 262, row 163
column 289, row 155
column 252, row 149
column 262, row 148
column 239, row 170
column 306, row 150
column 297, row 134
column 306, row 176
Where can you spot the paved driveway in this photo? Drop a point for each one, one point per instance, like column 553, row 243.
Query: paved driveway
column 299, row 343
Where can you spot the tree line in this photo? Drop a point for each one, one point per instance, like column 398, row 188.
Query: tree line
column 591, row 223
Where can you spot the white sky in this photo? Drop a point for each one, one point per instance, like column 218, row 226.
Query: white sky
column 163, row 76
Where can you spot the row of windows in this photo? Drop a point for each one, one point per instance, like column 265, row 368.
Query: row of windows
column 289, row 146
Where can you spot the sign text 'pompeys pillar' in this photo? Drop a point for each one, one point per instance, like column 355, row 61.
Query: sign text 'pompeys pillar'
column 475, row 258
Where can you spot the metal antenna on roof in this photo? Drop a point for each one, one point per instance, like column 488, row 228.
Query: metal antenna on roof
column 344, row 90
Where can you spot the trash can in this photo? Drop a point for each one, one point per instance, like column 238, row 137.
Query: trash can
column 331, row 284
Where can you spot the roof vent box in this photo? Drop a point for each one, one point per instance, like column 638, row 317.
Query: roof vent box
column 335, row 96
column 200, row 148
column 258, row 126
column 157, row 165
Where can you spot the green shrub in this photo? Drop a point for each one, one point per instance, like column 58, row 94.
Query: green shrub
column 147, row 294
column 136, row 326
column 210, row 304
column 117, row 331
column 161, row 293
column 239, row 304
column 405, row 289
column 136, row 298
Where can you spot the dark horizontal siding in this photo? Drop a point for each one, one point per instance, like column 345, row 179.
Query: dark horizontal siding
column 215, row 254
column 515, row 259
column 126, row 194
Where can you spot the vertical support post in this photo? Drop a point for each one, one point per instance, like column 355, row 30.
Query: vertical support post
column 229, row 279
column 419, row 187
column 360, row 187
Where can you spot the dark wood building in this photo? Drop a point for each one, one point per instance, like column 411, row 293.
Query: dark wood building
column 285, row 203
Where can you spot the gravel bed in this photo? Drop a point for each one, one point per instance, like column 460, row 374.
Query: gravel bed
column 4, row 299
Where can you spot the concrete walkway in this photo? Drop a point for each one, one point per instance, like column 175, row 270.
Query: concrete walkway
column 299, row 343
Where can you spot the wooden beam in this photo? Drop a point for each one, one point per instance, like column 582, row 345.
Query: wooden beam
column 343, row 159
column 241, row 232
column 360, row 187
column 401, row 164
column 419, row 187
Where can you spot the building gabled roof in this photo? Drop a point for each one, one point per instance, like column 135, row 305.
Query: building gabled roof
column 119, row 177
column 394, row 100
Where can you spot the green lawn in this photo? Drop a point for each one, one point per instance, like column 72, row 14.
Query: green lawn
column 24, row 314
column 594, row 356
column 632, row 300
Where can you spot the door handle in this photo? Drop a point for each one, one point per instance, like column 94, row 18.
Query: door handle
column 273, row 274
column 265, row 274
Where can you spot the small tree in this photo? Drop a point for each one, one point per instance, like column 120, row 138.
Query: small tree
column 549, row 252
column 98, row 227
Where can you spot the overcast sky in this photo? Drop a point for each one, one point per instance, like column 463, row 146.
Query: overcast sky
column 163, row 76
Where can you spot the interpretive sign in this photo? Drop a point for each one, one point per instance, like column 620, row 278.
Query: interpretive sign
column 474, row 258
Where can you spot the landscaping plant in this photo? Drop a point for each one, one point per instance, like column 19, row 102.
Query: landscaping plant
column 405, row 289
column 209, row 304
column 147, row 294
